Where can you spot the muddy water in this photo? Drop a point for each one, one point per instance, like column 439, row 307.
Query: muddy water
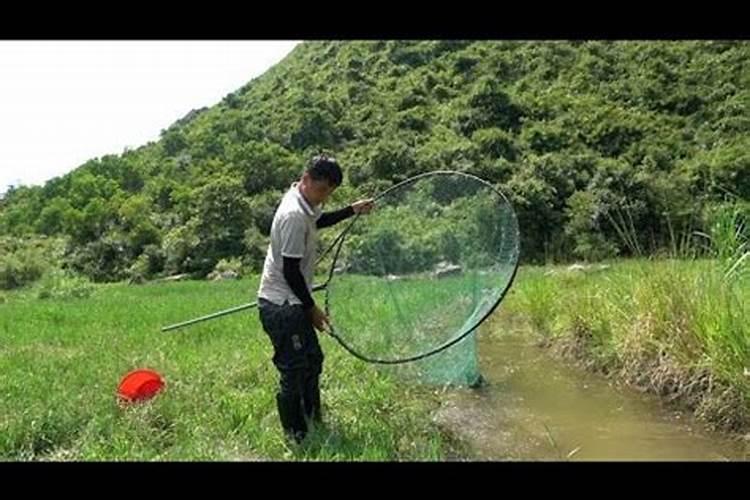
column 536, row 407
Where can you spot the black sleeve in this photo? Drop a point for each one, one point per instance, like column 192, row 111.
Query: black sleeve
column 330, row 218
column 293, row 276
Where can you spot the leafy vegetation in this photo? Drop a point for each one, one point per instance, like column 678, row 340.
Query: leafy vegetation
column 576, row 133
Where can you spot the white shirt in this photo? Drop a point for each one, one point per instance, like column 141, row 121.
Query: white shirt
column 293, row 234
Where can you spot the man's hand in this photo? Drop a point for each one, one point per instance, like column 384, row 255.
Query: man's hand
column 319, row 319
column 363, row 206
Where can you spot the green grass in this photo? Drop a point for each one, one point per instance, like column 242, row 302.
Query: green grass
column 680, row 328
column 61, row 361
column 414, row 314
column 676, row 327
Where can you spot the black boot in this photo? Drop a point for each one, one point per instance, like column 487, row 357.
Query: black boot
column 292, row 418
column 312, row 399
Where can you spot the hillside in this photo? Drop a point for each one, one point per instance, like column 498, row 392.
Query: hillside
column 592, row 141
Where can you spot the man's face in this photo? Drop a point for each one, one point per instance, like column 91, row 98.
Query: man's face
column 316, row 192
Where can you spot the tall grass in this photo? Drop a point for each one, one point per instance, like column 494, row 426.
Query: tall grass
column 676, row 325
column 61, row 359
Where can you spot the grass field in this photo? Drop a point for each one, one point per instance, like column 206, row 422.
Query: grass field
column 678, row 328
column 61, row 360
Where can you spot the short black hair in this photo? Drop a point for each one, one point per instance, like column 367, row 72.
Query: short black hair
column 324, row 167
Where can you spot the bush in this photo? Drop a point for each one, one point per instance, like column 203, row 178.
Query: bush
column 59, row 284
column 256, row 246
column 495, row 143
column 227, row 269
column 21, row 267
column 179, row 246
column 102, row 260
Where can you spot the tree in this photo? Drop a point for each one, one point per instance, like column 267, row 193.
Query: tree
column 489, row 106
column 221, row 216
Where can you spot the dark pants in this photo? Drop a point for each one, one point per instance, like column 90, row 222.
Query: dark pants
column 299, row 359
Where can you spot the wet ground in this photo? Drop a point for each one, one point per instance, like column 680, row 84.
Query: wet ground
column 536, row 407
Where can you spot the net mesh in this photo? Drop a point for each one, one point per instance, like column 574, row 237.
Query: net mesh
column 413, row 279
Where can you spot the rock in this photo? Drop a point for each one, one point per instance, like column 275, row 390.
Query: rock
column 340, row 268
column 137, row 279
column 223, row 275
column 444, row 269
column 176, row 277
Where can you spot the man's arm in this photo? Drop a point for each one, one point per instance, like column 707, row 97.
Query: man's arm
column 331, row 218
column 293, row 276
column 296, row 281
column 292, row 250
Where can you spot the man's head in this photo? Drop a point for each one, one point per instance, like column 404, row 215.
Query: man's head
column 321, row 178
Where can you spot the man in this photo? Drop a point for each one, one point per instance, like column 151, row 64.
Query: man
column 285, row 304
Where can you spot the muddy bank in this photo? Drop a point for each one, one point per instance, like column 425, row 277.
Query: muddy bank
column 719, row 405
column 538, row 407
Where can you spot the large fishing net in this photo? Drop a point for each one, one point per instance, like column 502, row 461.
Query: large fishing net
column 409, row 284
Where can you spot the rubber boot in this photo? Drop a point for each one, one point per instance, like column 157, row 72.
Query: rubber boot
column 292, row 418
column 311, row 400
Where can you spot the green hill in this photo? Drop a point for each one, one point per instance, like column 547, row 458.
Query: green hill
column 589, row 140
